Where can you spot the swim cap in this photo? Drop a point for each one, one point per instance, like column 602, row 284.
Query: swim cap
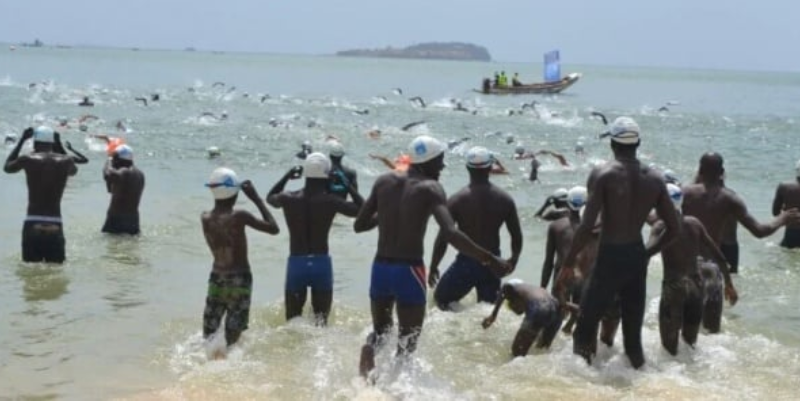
column 797, row 168
column 425, row 148
column 479, row 157
column 213, row 151
column 124, row 152
column 515, row 281
column 560, row 194
column 519, row 150
column 336, row 149
column 316, row 165
column 576, row 197
column 224, row 183
column 624, row 130
column 676, row 194
column 83, row 128
column 44, row 134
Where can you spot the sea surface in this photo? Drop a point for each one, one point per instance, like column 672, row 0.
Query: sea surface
column 121, row 319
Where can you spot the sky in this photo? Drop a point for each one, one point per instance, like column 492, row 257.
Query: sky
column 715, row 34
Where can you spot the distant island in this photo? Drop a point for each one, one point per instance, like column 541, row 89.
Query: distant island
column 431, row 50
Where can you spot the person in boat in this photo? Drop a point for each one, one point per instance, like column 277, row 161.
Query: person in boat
column 496, row 83
column 787, row 196
column 487, row 85
column 515, row 80
column 503, row 79
column 542, row 315
column 483, row 226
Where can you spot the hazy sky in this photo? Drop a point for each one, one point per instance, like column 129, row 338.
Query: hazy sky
column 731, row 34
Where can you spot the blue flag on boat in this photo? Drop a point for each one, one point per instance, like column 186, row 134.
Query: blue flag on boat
column 552, row 66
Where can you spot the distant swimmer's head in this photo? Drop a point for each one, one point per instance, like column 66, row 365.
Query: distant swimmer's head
column 83, row 127
column 676, row 195
column 624, row 131
column 519, row 150
column 336, row 149
column 123, row 152
column 576, row 198
column 317, row 166
column 224, row 183
column 44, row 134
column 479, row 157
column 711, row 166
column 306, row 145
column 213, row 152
column 797, row 168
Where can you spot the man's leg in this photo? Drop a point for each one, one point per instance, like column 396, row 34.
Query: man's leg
column 632, row 298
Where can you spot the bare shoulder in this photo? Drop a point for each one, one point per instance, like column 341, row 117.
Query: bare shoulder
column 692, row 221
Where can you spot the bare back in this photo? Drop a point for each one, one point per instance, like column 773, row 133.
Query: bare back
column 309, row 218
column 225, row 236
column 715, row 207
column 627, row 192
column 46, row 174
column 126, row 186
column 787, row 196
column 480, row 210
column 680, row 257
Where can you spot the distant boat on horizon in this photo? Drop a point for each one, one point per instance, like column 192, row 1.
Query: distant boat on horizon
column 553, row 83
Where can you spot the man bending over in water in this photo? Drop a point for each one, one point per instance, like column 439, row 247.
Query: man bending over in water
column 46, row 172
column 542, row 315
column 230, row 282
column 400, row 206
column 681, row 309
column 787, row 196
column 624, row 191
column 126, row 184
column 309, row 214
column 479, row 210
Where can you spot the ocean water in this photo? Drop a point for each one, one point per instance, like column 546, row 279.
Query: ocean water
column 121, row 319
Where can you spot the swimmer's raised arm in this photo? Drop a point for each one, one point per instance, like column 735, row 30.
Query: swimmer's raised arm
column 15, row 163
column 274, row 195
column 267, row 223
column 78, row 158
column 384, row 159
column 367, row 218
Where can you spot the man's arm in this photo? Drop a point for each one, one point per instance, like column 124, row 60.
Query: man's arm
column 488, row 321
column 78, row 158
column 777, row 203
column 547, row 202
column 719, row 258
column 760, row 230
column 383, row 159
column 666, row 213
column 273, row 197
column 367, row 218
column 498, row 168
column 14, row 163
column 549, row 257
column 267, row 223
column 439, row 250
column 515, row 232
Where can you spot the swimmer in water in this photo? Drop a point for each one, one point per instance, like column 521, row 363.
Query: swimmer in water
column 341, row 176
column 400, row 164
column 787, row 196
column 542, row 315
column 305, row 150
column 86, row 102
column 230, row 282
column 125, row 183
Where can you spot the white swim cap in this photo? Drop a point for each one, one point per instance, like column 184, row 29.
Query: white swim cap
column 797, row 168
column 425, row 148
column 224, row 183
column 124, row 152
column 676, row 194
column 515, row 281
column 316, row 165
column 560, row 194
column 336, row 149
column 624, row 130
column 576, row 197
column 479, row 157
column 44, row 134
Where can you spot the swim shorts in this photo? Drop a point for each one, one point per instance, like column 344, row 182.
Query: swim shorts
column 791, row 238
column 304, row 271
column 122, row 224
column 229, row 295
column 43, row 240
column 461, row 277
column 731, row 253
column 403, row 280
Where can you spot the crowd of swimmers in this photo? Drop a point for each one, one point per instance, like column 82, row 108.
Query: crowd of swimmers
column 595, row 257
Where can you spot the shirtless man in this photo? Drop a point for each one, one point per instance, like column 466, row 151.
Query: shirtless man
column 46, row 173
column 787, row 196
column 309, row 214
column 125, row 183
column 624, row 191
column 230, row 282
column 560, row 233
column 341, row 176
column 542, row 315
column 479, row 210
column 400, row 206
column 680, row 311
column 717, row 207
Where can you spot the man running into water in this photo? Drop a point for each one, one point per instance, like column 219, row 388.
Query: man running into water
column 624, row 191
column 558, row 200
column 787, row 196
column 479, row 210
column 125, row 183
column 230, row 282
column 46, row 173
column 400, row 206
column 681, row 309
column 341, row 177
column 309, row 214
column 717, row 207
column 542, row 315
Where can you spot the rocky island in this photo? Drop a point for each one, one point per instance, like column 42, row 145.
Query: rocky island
column 432, row 50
